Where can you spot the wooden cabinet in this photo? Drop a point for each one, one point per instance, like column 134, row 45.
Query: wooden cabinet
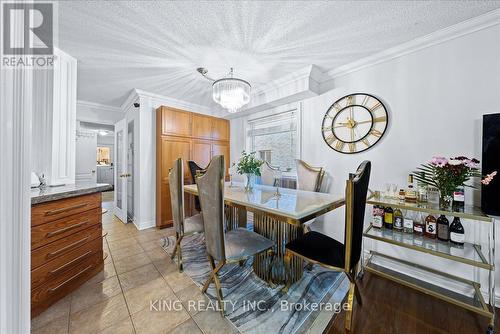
column 66, row 247
column 190, row 136
column 202, row 126
column 220, row 129
column 175, row 122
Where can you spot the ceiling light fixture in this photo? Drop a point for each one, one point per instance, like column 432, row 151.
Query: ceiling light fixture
column 230, row 92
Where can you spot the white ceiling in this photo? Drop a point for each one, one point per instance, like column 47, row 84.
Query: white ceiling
column 156, row 46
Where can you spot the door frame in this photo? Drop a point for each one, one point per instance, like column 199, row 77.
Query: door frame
column 119, row 171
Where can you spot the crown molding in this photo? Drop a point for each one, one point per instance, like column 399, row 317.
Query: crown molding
column 457, row 30
column 93, row 105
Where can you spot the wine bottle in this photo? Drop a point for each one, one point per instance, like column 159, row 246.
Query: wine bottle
column 408, row 222
column 418, row 225
column 457, row 232
column 388, row 218
column 398, row 220
column 430, row 227
column 443, row 225
column 378, row 216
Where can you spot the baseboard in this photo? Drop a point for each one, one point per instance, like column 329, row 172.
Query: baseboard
column 145, row 224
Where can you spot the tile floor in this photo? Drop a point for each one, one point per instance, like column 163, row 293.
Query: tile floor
column 117, row 300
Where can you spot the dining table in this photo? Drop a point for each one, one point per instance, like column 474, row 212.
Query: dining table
column 278, row 214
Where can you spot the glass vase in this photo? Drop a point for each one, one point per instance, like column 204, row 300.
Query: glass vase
column 445, row 200
column 250, row 181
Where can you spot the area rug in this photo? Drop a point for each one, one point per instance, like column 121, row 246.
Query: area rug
column 255, row 307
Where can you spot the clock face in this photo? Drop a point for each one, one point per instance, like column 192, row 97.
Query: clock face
column 354, row 123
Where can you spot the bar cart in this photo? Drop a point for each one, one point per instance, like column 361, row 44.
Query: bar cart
column 471, row 253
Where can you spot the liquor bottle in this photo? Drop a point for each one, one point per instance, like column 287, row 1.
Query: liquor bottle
column 430, row 226
column 408, row 222
column 388, row 218
column 378, row 216
column 410, row 194
column 459, row 199
column 443, row 225
column 401, row 195
column 418, row 225
column 422, row 189
column 398, row 220
column 457, row 232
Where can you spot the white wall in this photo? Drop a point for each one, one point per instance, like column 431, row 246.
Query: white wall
column 435, row 98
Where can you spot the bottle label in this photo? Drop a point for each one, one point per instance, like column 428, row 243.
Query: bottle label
column 443, row 231
column 398, row 222
column 408, row 223
column 418, row 228
column 388, row 218
column 377, row 221
column 458, row 196
column 457, row 237
column 431, row 228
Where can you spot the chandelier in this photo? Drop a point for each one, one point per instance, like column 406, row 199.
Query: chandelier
column 230, row 92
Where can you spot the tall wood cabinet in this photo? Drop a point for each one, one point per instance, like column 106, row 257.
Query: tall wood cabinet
column 190, row 136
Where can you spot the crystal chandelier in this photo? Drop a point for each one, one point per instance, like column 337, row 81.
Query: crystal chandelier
column 230, row 92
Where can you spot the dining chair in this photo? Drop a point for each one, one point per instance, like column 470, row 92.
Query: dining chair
column 330, row 253
column 268, row 174
column 309, row 178
column 232, row 246
column 183, row 226
column 195, row 169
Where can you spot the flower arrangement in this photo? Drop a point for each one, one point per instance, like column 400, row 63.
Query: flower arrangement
column 449, row 174
column 249, row 164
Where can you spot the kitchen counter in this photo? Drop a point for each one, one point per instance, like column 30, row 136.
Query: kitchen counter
column 49, row 194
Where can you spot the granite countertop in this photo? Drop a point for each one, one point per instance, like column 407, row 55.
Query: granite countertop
column 71, row 190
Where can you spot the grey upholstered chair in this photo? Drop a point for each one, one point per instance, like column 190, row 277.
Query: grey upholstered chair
column 233, row 246
column 183, row 226
column 268, row 174
column 330, row 253
column 309, row 178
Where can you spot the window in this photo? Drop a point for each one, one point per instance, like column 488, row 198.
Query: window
column 275, row 139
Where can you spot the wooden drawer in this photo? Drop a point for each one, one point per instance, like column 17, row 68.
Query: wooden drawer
column 50, row 211
column 63, row 284
column 60, row 265
column 46, row 233
column 60, row 247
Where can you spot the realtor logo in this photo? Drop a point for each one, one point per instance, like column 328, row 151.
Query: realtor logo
column 28, row 34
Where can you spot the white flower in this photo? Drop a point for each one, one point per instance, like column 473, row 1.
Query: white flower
column 454, row 162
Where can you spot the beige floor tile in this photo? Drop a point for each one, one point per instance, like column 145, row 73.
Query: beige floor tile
column 158, row 254
column 119, row 244
column 190, row 296
column 99, row 317
column 142, row 296
column 119, row 235
column 150, row 244
column 109, row 271
column 124, row 252
column 178, row 281
column 147, row 236
column 131, row 262
column 56, row 311
column 165, row 267
column 188, row 326
column 212, row 322
column 90, row 294
column 123, row 327
column 150, row 321
column 55, row 326
column 139, row 276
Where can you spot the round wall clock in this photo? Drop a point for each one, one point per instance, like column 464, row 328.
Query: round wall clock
column 354, row 123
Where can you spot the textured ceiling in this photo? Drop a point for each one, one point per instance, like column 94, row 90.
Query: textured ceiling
column 157, row 45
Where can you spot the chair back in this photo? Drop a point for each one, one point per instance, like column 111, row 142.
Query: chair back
column 176, row 182
column 211, row 194
column 356, row 192
column 268, row 174
column 309, row 178
column 194, row 170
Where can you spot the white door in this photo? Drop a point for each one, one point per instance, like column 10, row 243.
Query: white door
column 86, row 156
column 121, row 172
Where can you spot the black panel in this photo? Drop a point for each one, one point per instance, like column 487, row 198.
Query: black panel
column 490, row 194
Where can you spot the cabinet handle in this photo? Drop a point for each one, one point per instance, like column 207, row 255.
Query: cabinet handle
column 68, row 208
column 51, row 290
column 61, row 268
column 64, row 249
column 65, row 229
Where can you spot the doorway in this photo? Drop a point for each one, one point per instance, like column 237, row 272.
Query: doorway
column 124, row 171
